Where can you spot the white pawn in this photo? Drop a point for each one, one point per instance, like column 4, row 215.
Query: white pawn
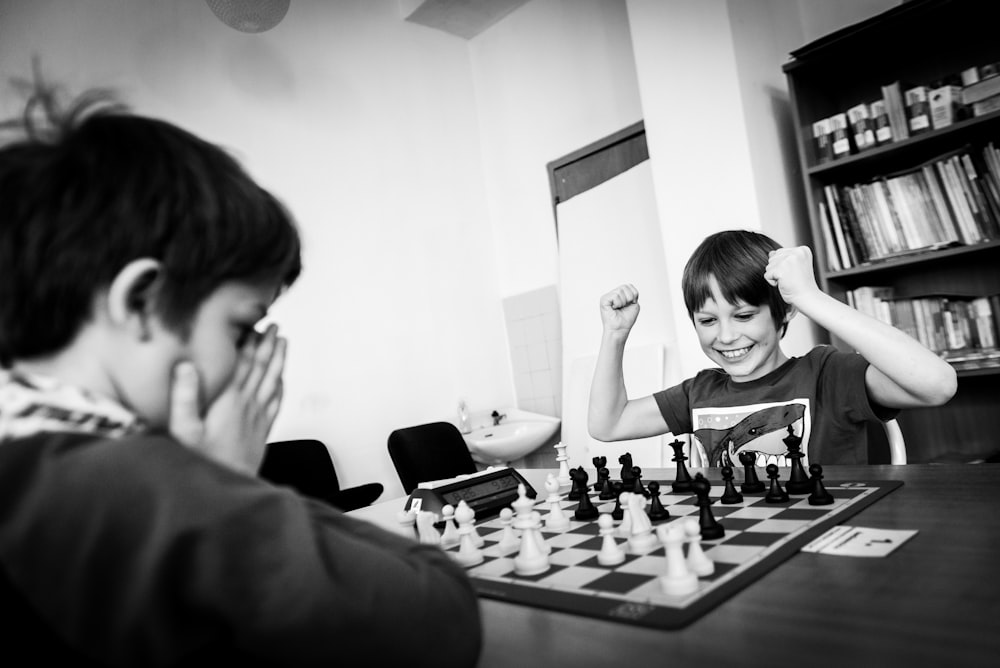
column 426, row 533
column 557, row 519
column 468, row 553
column 531, row 559
column 611, row 554
column 625, row 528
column 449, row 537
column 678, row 580
column 508, row 539
column 697, row 561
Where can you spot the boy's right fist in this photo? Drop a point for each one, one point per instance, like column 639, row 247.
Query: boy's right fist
column 620, row 308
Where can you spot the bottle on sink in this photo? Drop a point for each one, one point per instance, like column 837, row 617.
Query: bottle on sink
column 464, row 423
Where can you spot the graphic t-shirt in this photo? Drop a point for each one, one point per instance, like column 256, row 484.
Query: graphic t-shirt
column 821, row 396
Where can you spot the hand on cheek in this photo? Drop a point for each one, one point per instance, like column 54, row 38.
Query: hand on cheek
column 235, row 427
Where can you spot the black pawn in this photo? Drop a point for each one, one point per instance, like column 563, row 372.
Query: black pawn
column 657, row 513
column 730, row 495
column 607, row 490
column 600, row 463
column 798, row 481
column 579, row 489
column 585, row 510
column 682, row 483
column 637, row 487
column 710, row 528
column 819, row 496
column 618, row 513
column 603, row 475
column 751, row 483
column 776, row 494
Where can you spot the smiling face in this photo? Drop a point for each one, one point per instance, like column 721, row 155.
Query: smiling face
column 212, row 340
column 741, row 338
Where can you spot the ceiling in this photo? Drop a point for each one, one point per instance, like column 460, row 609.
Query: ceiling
column 463, row 18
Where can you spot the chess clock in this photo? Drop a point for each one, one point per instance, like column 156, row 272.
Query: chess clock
column 486, row 492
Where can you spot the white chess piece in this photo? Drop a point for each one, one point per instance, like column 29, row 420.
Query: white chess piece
column 611, row 554
column 641, row 539
column 508, row 538
column 561, row 457
column 556, row 519
column 426, row 533
column 531, row 559
column 624, row 529
column 678, row 580
column 468, row 553
column 449, row 537
column 697, row 561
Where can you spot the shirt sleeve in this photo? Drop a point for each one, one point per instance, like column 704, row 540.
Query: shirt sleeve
column 675, row 407
column 140, row 551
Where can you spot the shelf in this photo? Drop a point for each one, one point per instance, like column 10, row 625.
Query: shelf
column 928, row 145
column 916, row 257
column 851, row 66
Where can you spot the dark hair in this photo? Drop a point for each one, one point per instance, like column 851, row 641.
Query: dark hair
column 737, row 259
column 87, row 189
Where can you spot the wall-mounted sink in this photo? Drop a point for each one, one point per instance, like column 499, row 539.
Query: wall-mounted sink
column 518, row 434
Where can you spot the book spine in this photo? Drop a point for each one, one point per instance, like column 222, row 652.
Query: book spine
column 862, row 130
column 896, row 109
column 840, row 135
column 821, row 140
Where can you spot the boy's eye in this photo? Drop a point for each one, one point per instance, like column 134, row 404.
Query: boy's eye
column 244, row 334
column 746, row 315
column 705, row 322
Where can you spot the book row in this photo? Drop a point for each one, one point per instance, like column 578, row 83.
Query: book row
column 953, row 199
column 904, row 111
column 962, row 329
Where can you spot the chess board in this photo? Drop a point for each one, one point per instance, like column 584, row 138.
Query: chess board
column 758, row 537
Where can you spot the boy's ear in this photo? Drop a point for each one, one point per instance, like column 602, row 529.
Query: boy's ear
column 790, row 313
column 132, row 294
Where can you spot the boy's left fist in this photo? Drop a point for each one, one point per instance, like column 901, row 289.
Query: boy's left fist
column 791, row 271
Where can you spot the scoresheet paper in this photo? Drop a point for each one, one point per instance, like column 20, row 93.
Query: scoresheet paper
column 859, row 541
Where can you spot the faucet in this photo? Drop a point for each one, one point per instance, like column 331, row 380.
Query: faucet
column 497, row 417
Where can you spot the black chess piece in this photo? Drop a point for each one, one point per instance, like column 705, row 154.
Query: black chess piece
column 600, row 463
column 682, row 482
column 656, row 512
column 820, row 496
column 603, row 474
column 626, row 473
column 710, row 528
column 578, row 489
column 637, row 487
column 585, row 510
column 775, row 494
column 751, row 483
column 730, row 495
column 618, row 512
column 798, row 481
column 607, row 487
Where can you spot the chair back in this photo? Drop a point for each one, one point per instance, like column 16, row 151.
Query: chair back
column 303, row 464
column 429, row 452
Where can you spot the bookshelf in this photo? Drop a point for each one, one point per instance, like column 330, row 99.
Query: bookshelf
column 895, row 231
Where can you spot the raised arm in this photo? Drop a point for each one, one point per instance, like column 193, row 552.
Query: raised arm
column 902, row 373
column 612, row 416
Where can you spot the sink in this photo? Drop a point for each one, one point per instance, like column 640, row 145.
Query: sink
column 518, row 434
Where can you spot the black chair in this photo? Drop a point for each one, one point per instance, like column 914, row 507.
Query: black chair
column 305, row 465
column 429, row 452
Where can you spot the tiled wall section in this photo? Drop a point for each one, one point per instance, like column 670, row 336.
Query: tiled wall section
column 534, row 333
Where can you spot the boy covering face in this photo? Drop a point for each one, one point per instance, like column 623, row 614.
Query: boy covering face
column 741, row 290
column 135, row 401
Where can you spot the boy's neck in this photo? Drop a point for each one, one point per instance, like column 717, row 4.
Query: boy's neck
column 79, row 364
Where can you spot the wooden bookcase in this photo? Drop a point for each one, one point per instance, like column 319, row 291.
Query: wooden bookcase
column 918, row 42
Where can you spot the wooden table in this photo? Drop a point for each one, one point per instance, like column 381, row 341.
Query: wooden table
column 935, row 601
